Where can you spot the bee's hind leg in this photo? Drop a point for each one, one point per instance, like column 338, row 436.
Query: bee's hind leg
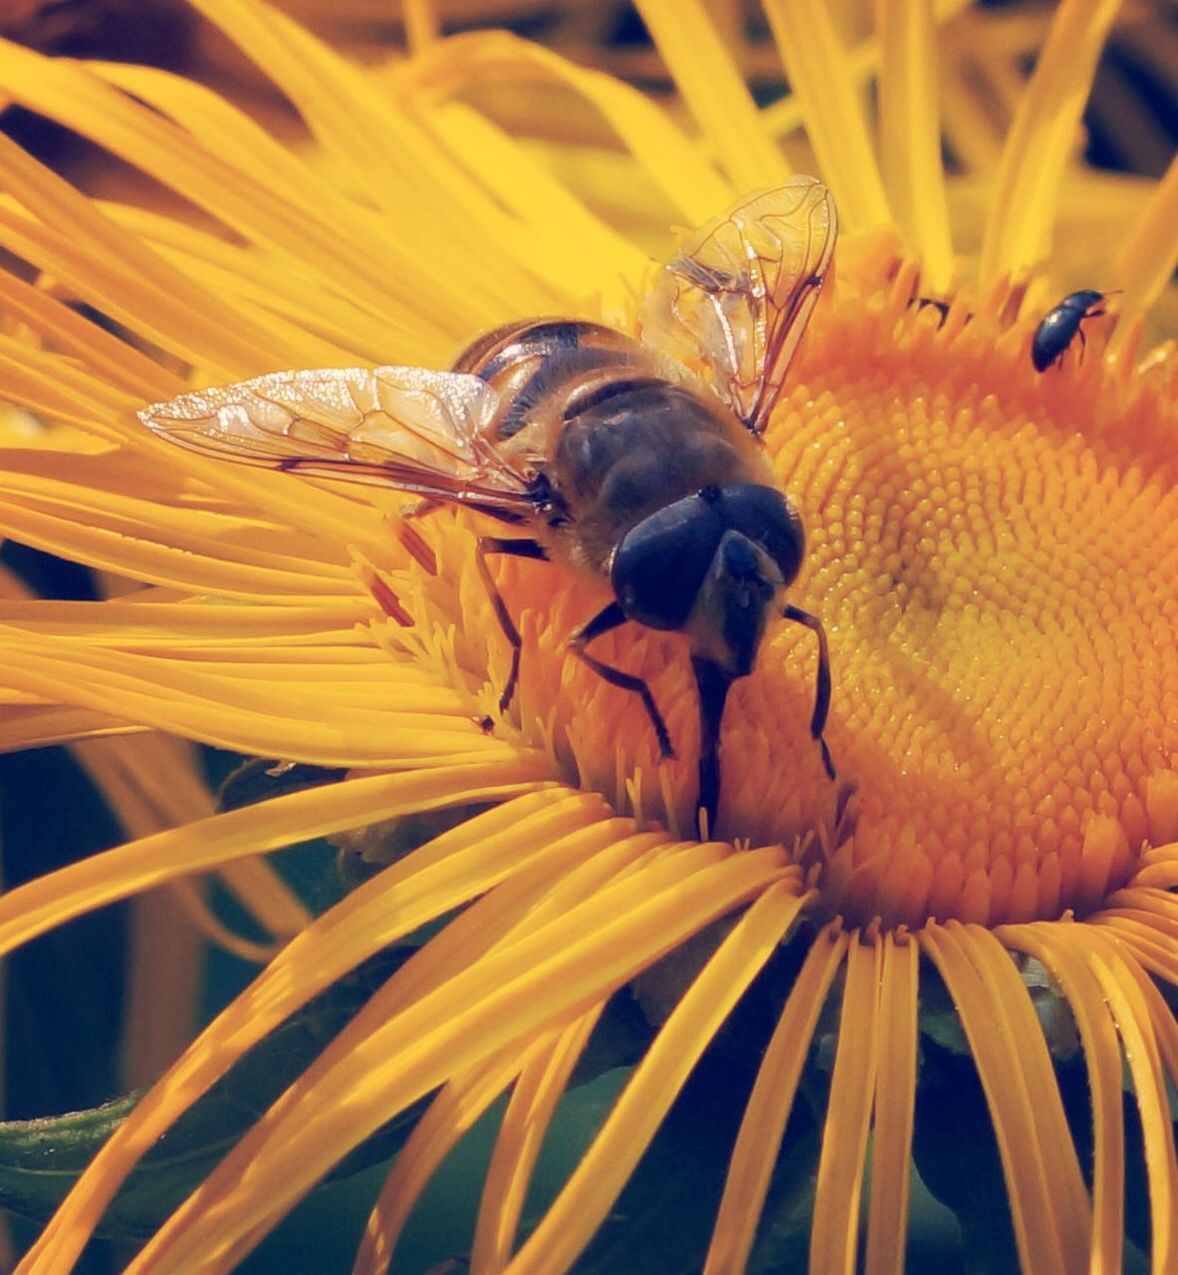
column 610, row 618
column 516, row 549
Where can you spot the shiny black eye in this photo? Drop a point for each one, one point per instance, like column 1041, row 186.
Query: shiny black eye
column 660, row 565
column 765, row 516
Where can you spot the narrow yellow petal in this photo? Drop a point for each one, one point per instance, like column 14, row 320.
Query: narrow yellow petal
column 1159, row 864
column 451, row 1114
column 973, row 128
column 300, row 306
column 421, row 24
column 59, row 896
column 152, row 783
column 715, row 92
column 541, row 1084
column 1149, row 1085
column 165, row 970
column 116, row 362
column 37, row 726
column 603, row 1170
column 223, row 129
column 58, row 391
column 64, row 391
column 1152, row 895
column 1058, row 947
column 895, row 1103
column 769, row 1106
column 132, row 497
column 1146, row 259
column 1071, row 1202
column 263, row 892
column 1140, row 934
column 148, row 795
column 1044, row 1184
column 596, row 856
column 201, row 917
column 116, row 273
column 863, row 59
column 311, row 522
column 910, row 133
column 675, row 165
column 549, row 216
column 1161, row 1016
column 329, row 626
column 1040, row 140
column 820, row 74
column 254, row 717
column 64, row 532
column 835, row 1228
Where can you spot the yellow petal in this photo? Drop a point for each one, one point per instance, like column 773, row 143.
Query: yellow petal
column 1049, row 1205
column 715, row 92
column 769, row 1106
column 820, row 75
column 910, row 133
column 895, row 1102
column 541, row 1084
column 603, row 1170
column 672, row 161
column 1145, row 1066
column 835, row 1228
column 1144, row 263
column 1040, row 140
column 451, row 1114
column 1059, row 948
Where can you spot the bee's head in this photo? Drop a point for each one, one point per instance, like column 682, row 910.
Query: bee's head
column 711, row 565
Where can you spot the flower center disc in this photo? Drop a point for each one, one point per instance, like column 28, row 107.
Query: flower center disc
column 994, row 553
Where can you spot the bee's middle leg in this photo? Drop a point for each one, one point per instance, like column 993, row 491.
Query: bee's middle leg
column 516, row 549
column 610, row 618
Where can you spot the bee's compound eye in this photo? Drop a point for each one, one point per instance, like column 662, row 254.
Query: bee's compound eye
column 660, row 564
column 767, row 518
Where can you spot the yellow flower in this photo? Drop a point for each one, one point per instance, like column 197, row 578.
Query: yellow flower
column 993, row 551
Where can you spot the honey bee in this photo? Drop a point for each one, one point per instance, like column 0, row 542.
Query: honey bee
column 637, row 463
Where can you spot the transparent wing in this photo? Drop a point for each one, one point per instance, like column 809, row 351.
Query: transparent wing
column 738, row 297
column 403, row 427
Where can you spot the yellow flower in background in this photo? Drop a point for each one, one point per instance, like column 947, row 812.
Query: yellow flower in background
column 992, row 549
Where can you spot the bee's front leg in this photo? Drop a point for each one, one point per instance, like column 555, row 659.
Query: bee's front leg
column 610, row 618
column 822, row 685
column 517, row 549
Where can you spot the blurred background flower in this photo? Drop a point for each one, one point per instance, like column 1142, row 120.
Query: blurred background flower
column 991, row 548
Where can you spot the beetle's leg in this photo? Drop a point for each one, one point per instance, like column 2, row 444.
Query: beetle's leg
column 610, row 618
column 516, row 549
column 713, row 683
column 822, row 687
column 941, row 307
